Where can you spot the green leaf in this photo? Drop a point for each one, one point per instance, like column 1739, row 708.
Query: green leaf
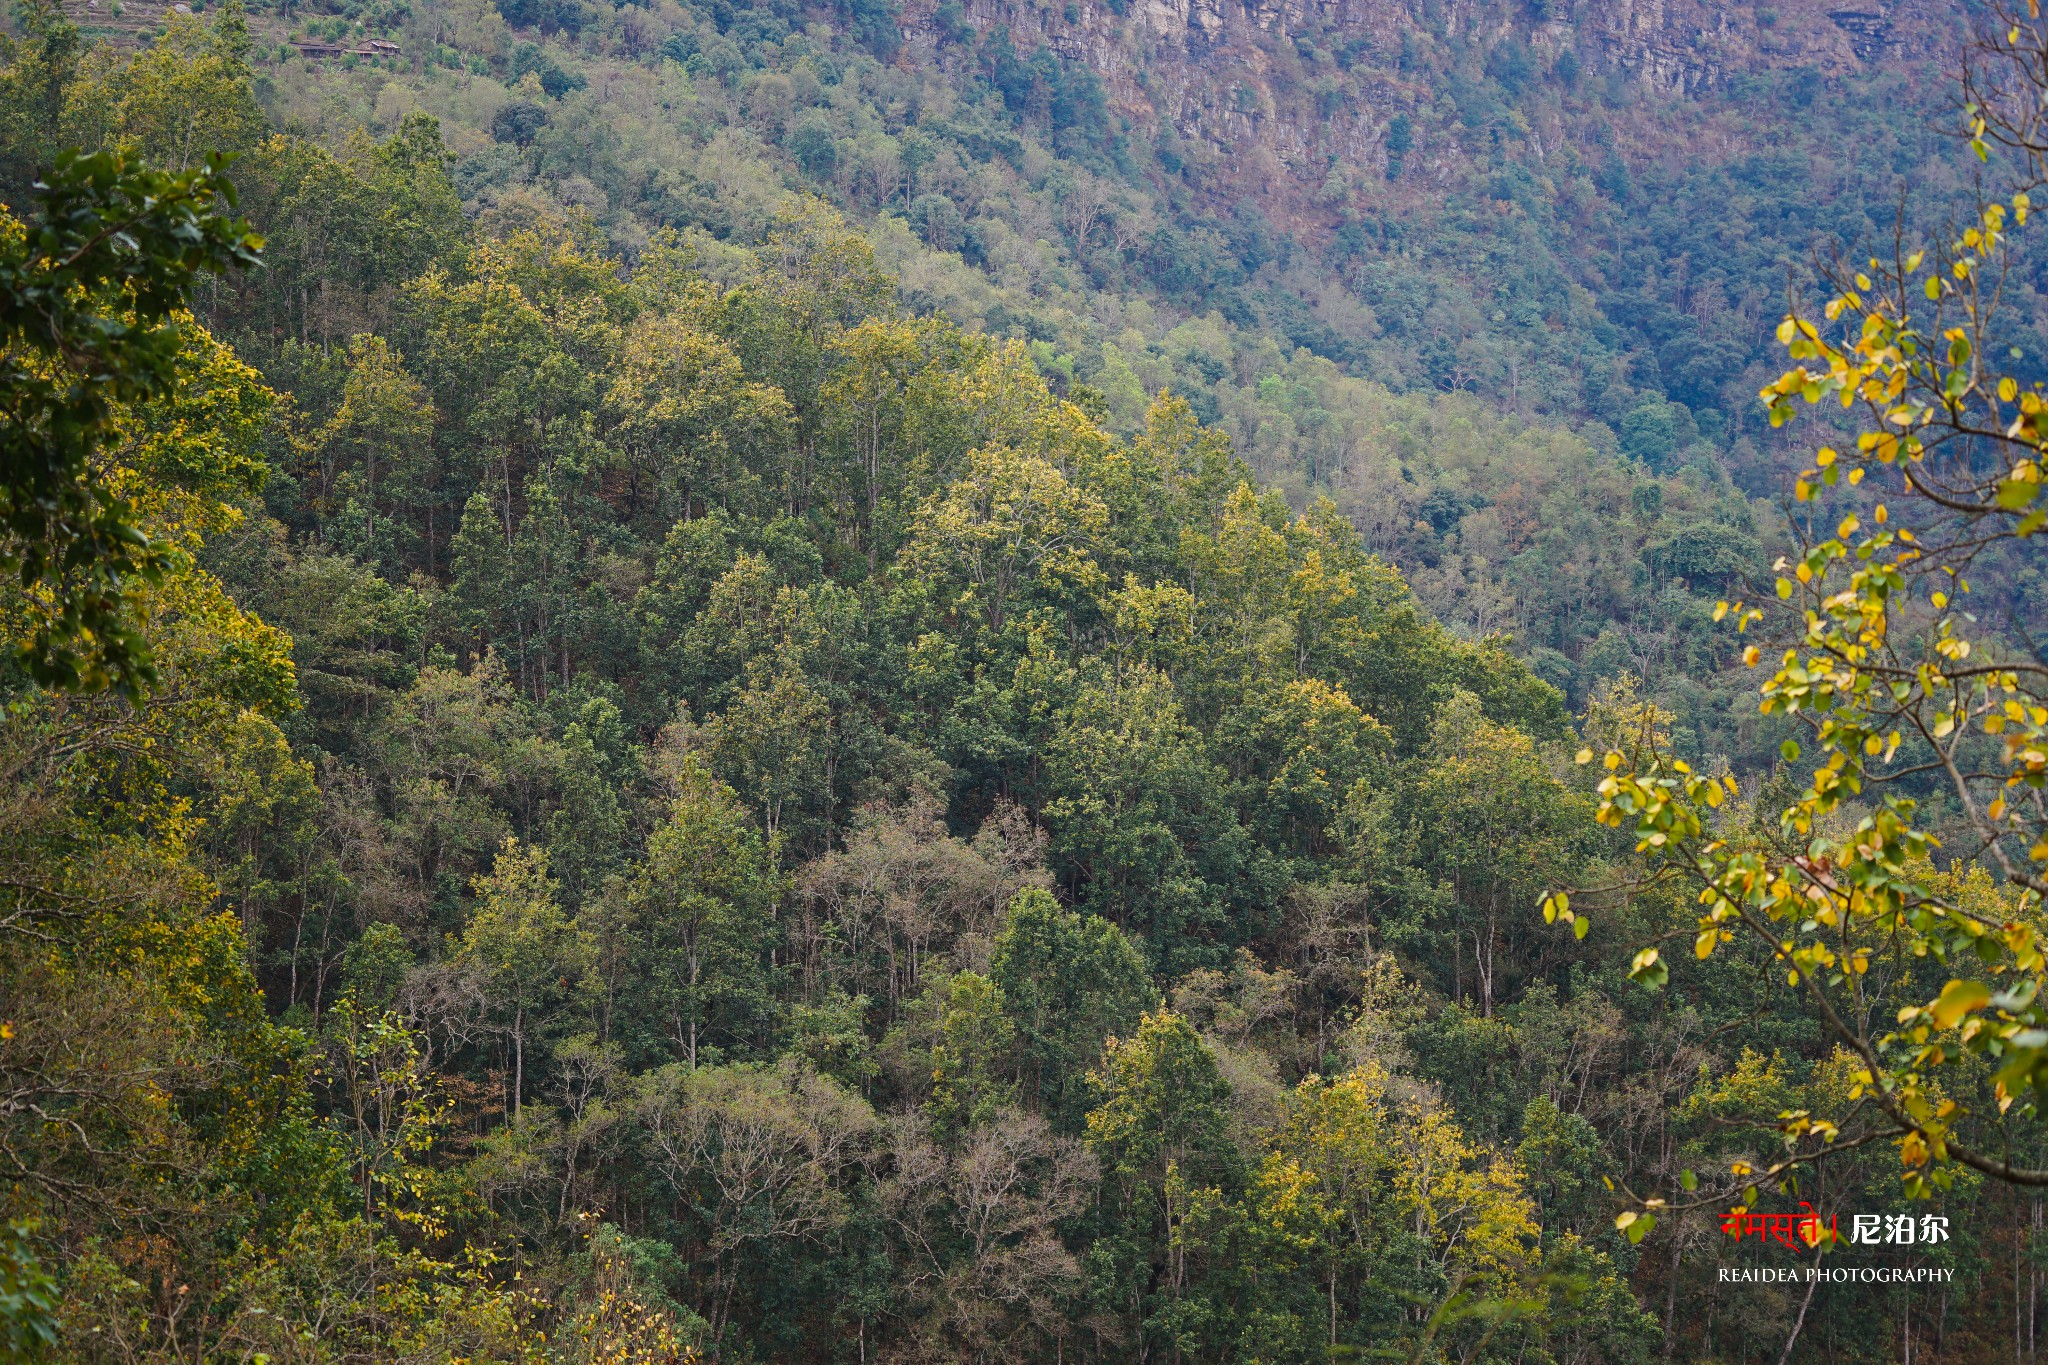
column 1648, row 969
column 1688, row 1181
column 2014, row 494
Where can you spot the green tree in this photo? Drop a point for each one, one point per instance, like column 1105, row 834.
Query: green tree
column 1162, row 1134
column 1138, row 818
column 384, row 1100
column 1297, row 752
column 587, row 831
column 759, row 1158
column 775, row 739
column 971, row 1055
column 1561, row 1158
column 1500, row 828
column 1325, row 1198
column 91, row 321
column 37, row 66
column 179, row 102
column 704, row 900
column 1161, row 1103
column 28, row 1295
column 385, row 420
column 1071, row 983
column 695, row 429
column 812, row 278
column 871, row 397
column 522, row 948
column 1014, row 523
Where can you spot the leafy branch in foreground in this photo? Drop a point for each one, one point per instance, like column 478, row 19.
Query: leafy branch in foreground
column 1920, row 710
column 90, row 298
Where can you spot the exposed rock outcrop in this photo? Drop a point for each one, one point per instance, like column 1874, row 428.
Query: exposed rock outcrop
column 1292, row 99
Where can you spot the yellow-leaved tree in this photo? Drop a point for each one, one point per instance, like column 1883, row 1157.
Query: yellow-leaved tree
column 1899, row 643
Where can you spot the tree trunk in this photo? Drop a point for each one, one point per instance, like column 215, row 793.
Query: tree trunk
column 874, row 481
column 1785, row 1356
column 1671, row 1293
column 518, row 1064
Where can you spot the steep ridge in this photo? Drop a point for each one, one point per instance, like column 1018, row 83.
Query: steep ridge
column 1290, row 94
column 1500, row 280
column 1566, row 208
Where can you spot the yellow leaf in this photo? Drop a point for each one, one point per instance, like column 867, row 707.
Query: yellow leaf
column 1957, row 999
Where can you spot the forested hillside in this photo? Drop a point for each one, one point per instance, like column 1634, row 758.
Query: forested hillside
column 783, row 684
column 1401, row 254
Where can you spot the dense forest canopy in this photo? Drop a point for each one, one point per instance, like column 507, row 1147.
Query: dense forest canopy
column 784, row 684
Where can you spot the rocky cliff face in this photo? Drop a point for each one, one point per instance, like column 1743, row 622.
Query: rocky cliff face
column 1296, row 101
column 1690, row 45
